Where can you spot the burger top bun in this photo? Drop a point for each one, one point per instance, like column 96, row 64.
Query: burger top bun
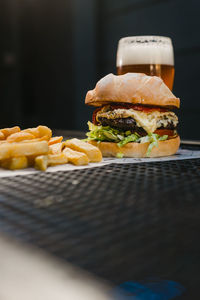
column 134, row 88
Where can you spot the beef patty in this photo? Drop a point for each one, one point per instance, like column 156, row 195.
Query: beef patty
column 125, row 124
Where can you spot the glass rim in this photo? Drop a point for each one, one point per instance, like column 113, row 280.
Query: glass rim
column 147, row 39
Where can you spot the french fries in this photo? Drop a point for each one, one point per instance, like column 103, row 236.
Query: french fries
column 43, row 161
column 33, row 131
column 35, row 147
column 55, row 148
column 8, row 150
column 2, row 136
column 19, row 149
column 75, row 157
column 20, row 136
column 57, row 159
column 43, row 138
column 5, row 150
column 55, row 140
column 93, row 153
column 15, row 163
column 8, row 131
column 44, row 131
column 40, row 131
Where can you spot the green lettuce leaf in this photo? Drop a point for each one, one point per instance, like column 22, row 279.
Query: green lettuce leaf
column 106, row 133
column 120, row 155
column 153, row 140
column 130, row 138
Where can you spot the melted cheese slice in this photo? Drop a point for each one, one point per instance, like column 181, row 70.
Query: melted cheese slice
column 149, row 121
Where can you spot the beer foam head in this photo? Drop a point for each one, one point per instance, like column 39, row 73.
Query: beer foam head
column 145, row 50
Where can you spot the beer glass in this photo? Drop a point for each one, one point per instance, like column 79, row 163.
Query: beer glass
column 152, row 55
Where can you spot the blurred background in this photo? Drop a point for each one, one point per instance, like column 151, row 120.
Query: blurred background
column 52, row 52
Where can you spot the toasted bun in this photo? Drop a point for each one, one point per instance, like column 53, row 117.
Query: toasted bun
column 165, row 148
column 134, row 88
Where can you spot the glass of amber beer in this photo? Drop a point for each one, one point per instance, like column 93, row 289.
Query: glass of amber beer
column 152, row 55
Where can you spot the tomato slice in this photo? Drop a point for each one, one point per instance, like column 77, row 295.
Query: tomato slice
column 161, row 132
column 138, row 107
column 94, row 120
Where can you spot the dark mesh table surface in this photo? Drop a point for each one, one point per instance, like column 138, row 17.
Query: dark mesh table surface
column 121, row 222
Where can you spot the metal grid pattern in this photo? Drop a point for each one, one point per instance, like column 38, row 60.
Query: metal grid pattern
column 121, row 222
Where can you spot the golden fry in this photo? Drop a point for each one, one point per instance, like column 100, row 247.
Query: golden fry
column 34, row 148
column 20, row 136
column 15, row 163
column 33, row 131
column 93, row 153
column 5, row 150
column 55, row 140
column 40, row 131
column 43, row 161
column 55, row 148
column 44, row 131
column 76, row 158
column 57, row 159
column 9, row 131
column 2, row 136
column 43, row 138
column 8, row 150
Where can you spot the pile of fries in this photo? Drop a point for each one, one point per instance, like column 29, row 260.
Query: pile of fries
column 35, row 147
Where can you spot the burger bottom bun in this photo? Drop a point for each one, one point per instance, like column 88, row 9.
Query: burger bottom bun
column 165, row 148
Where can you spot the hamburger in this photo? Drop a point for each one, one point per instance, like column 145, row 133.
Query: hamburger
column 133, row 116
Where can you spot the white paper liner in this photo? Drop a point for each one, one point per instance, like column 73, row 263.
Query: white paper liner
column 181, row 155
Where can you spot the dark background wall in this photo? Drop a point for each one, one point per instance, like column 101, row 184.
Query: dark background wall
column 52, row 52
